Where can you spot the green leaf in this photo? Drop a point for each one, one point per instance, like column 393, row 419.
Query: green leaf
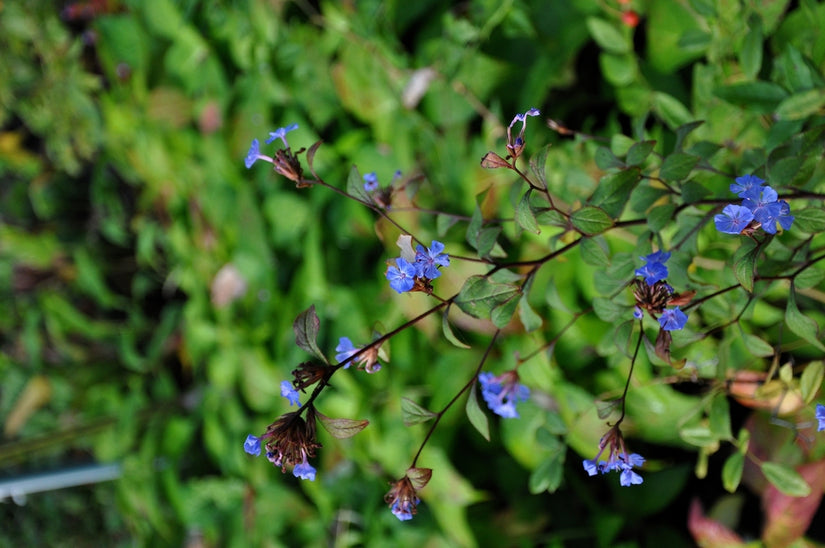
column 758, row 347
column 487, row 240
column 660, row 216
column 744, row 264
column 732, row 472
column 608, row 310
column 811, row 380
column 719, row 417
column 692, row 192
column 448, row 331
column 476, row 416
column 670, row 110
column 444, row 222
column 355, row 186
column 548, row 474
column 479, row 296
column 342, row 428
column 607, row 36
column 528, row 317
column 786, row 479
column 306, row 327
column 801, row 105
column 594, row 251
column 412, row 413
column 808, row 278
column 619, row 70
column 759, row 97
column 683, row 131
column 550, row 217
column 800, row 324
column 502, row 314
column 614, row 191
column 700, row 436
column 810, row 220
column 750, row 57
column 678, row 166
column 525, row 217
column 591, row 220
column 605, row 159
column 639, row 152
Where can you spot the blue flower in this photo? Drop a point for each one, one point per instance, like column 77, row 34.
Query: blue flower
column 785, row 219
column 638, row 313
column 370, row 182
column 733, row 220
column 428, row 260
column 280, row 133
column 345, row 349
column 523, row 117
column 304, row 470
column 252, row 445
column 673, row 319
column 402, row 276
column 290, row 393
column 820, row 417
column 403, row 509
column 503, row 392
column 655, row 269
column 747, row 185
column 254, row 154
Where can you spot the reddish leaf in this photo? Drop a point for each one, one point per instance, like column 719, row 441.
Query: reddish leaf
column 787, row 518
column 419, row 477
column 708, row 532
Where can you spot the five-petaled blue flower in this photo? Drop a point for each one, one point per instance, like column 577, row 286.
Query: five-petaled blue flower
column 428, row 260
column 523, row 117
column 252, row 445
column 746, row 185
column 402, row 276
column 290, row 393
column 655, row 269
column 673, row 319
column 345, row 349
column 370, row 182
column 503, row 392
column 820, row 417
column 280, row 133
column 733, row 219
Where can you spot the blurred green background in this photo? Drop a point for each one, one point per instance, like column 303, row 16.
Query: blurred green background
column 150, row 281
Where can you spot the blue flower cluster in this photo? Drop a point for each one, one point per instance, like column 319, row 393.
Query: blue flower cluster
column 403, row 276
column 761, row 207
column 820, row 417
column 658, row 292
column 618, row 462
column 287, row 439
column 503, row 392
column 254, row 153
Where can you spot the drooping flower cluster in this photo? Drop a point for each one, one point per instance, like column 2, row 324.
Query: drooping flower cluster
column 618, row 459
column 290, row 440
column 761, row 208
column 515, row 145
column 820, row 417
column 402, row 498
column 284, row 162
column 503, row 392
column 368, row 360
column 653, row 293
column 380, row 196
column 416, row 274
